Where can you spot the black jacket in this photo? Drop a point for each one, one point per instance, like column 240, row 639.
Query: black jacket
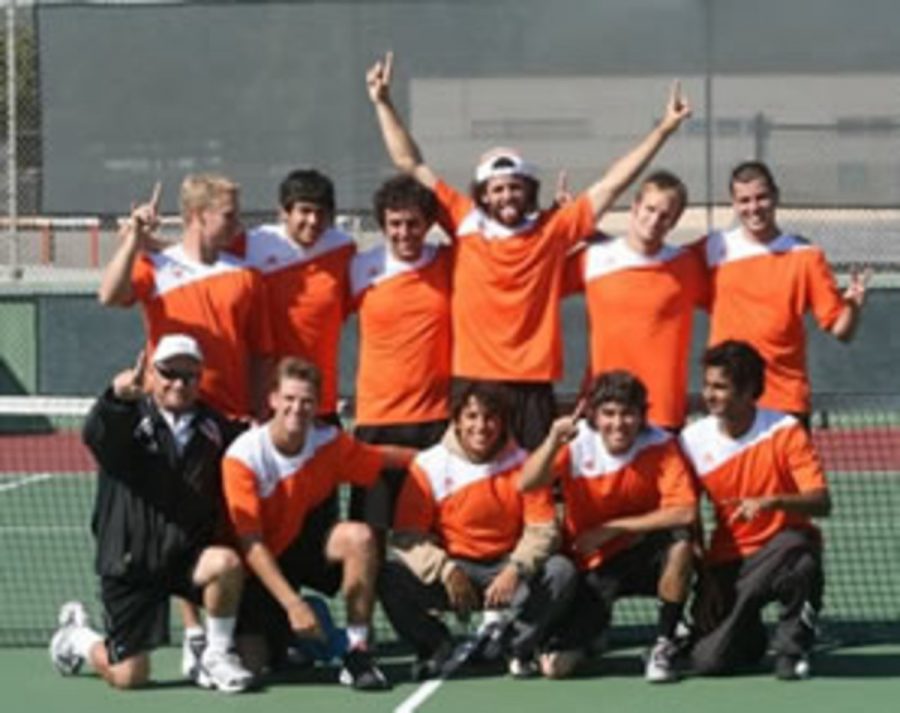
column 154, row 510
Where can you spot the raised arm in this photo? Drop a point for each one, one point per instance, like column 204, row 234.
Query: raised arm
column 619, row 176
column 110, row 423
column 844, row 326
column 400, row 145
column 538, row 469
column 115, row 286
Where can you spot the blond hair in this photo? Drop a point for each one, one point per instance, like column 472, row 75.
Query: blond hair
column 202, row 190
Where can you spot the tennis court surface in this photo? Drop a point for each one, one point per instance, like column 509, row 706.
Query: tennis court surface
column 46, row 494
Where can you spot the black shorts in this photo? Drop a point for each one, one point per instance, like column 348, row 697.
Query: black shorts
column 136, row 612
column 532, row 408
column 632, row 572
column 375, row 505
column 303, row 564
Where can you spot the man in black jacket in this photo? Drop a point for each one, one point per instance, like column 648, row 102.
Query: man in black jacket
column 159, row 525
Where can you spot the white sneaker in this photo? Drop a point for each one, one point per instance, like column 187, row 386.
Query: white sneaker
column 523, row 667
column 660, row 666
column 73, row 613
column 223, row 672
column 72, row 616
column 192, row 648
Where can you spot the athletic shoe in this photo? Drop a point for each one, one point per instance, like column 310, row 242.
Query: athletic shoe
column 660, row 666
column 521, row 667
column 192, row 648
column 362, row 673
column 792, row 668
column 72, row 616
column 223, row 672
column 73, row 613
column 431, row 666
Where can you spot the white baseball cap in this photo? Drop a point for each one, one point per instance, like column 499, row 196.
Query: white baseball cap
column 503, row 161
column 173, row 345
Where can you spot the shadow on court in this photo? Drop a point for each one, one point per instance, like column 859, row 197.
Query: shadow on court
column 862, row 665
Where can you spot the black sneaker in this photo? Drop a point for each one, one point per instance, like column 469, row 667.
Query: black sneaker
column 425, row 667
column 362, row 673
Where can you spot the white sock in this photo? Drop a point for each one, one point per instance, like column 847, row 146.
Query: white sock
column 83, row 640
column 219, row 633
column 192, row 631
column 358, row 636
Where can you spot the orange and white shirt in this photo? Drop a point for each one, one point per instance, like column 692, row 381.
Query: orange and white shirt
column 269, row 494
column 641, row 314
column 774, row 457
column 760, row 294
column 599, row 486
column 404, row 336
column 308, row 293
column 222, row 305
column 475, row 509
column 507, row 283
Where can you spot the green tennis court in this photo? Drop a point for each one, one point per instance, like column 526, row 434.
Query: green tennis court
column 46, row 548
column 848, row 679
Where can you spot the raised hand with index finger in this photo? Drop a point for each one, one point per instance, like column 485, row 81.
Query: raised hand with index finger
column 678, row 108
column 128, row 385
column 565, row 428
column 144, row 221
column 378, row 78
column 855, row 293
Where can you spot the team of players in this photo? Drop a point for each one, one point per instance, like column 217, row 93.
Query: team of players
column 475, row 524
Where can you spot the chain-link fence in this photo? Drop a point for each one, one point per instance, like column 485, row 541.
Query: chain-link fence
column 104, row 98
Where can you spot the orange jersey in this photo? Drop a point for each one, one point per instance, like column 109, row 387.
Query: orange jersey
column 774, row 457
column 641, row 314
column 223, row 306
column 507, row 284
column 269, row 494
column 308, row 294
column 475, row 509
column 760, row 294
column 598, row 486
column 404, row 336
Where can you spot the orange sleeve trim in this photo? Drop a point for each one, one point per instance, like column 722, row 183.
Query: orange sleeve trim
column 241, row 497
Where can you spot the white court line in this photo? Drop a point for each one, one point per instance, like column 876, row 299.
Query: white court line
column 28, row 480
column 460, row 656
column 422, row 694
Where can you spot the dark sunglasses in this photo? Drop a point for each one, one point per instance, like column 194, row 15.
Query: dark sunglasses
column 186, row 376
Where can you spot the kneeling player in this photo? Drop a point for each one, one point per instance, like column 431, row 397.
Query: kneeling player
column 765, row 481
column 466, row 539
column 159, row 525
column 275, row 475
column 630, row 508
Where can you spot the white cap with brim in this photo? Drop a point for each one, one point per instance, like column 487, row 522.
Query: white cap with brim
column 173, row 345
column 503, row 162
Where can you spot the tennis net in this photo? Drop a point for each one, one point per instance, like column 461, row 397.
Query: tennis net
column 47, row 483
